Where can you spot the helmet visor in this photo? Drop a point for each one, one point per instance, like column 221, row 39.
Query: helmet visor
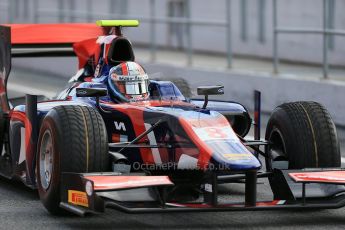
column 132, row 85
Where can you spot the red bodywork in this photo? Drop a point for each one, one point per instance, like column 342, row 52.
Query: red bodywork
column 101, row 182
column 67, row 33
column 82, row 36
column 332, row 177
column 212, row 127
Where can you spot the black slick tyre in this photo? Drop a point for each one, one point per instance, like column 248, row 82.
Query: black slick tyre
column 72, row 138
column 304, row 134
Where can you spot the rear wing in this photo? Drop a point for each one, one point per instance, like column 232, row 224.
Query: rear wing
column 57, row 39
column 50, row 39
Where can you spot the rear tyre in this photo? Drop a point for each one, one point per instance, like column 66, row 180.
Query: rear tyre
column 72, row 139
column 304, row 135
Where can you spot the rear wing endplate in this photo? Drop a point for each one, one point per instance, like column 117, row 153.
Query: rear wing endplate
column 5, row 65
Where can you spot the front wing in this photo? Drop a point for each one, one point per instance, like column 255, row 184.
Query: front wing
column 92, row 193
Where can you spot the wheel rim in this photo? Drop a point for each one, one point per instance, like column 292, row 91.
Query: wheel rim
column 46, row 159
column 277, row 150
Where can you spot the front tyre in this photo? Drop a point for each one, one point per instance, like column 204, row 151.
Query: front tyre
column 72, row 138
column 304, row 135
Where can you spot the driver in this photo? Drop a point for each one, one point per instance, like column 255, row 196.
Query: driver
column 128, row 81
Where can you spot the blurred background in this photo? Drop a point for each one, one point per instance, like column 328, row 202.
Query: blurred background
column 289, row 49
column 291, row 31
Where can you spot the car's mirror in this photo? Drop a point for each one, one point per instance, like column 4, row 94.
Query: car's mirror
column 210, row 90
column 91, row 92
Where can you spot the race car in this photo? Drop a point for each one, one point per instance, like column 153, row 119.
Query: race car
column 114, row 138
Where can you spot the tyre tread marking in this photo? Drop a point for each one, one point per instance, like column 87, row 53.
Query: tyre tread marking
column 86, row 139
column 313, row 134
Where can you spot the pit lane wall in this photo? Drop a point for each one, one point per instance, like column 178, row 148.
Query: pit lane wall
column 276, row 89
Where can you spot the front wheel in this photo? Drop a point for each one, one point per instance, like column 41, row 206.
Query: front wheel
column 72, row 139
column 301, row 135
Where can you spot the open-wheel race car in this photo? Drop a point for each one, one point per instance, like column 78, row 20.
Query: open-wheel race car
column 114, row 138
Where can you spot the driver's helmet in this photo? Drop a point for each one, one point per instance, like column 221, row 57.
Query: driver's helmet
column 128, row 81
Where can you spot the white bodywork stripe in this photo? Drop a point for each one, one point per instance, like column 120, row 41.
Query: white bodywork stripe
column 187, row 162
column 22, row 145
column 281, row 202
column 152, row 139
column 175, row 205
column 123, row 138
column 3, row 150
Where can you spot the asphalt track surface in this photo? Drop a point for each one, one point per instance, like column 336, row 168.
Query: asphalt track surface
column 20, row 207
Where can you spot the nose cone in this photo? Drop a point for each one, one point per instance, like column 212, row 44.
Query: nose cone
column 217, row 142
column 233, row 155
